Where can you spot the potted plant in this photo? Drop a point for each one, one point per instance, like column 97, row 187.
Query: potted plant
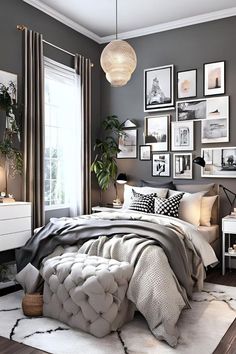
column 10, row 155
column 104, row 165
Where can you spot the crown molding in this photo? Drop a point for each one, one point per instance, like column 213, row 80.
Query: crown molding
column 65, row 20
column 188, row 21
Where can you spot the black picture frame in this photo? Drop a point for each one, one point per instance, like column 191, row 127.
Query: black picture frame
column 223, row 80
column 128, row 141
column 148, row 147
column 153, row 83
column 157, row 124
column 195, row 86
column 159, row 167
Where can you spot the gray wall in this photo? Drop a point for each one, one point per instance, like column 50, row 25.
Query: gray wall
column 15, row 12
column 186, row 48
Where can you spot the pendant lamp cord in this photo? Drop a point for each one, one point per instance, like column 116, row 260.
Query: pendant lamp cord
column 116, row 20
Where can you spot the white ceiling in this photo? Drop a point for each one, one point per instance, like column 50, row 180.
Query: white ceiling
column 135, row 17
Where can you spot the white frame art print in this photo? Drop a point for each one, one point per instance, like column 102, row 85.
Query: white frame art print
column 159, row 88
column 182, row 136
column 160, row 165
column 214, row 78
column 191, row 109
column 182, row 166
column 215, row 129
column 220, row 162
column 128, row 144
column 187, row 83
column 156, row 132
column 9, row 80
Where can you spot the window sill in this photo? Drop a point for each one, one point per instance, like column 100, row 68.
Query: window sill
column 56, row 207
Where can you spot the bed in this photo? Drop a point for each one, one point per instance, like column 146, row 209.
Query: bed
column 169, row 255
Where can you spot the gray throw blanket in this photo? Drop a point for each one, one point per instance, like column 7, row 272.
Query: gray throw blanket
column 60, row 233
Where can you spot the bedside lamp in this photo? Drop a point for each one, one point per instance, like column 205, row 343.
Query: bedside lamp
column 121, row 179
column 200, row 161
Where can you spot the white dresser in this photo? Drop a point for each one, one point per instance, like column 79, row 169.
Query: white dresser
column 15, row 225
column 228, row 229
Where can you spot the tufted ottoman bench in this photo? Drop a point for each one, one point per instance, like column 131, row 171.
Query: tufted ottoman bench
column 87, row 292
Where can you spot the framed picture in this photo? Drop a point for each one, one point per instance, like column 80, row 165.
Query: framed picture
column 159, row 88
column 145, row 152
column 128, row 144
column 156, row 132
column 220, row 162
column 182, row 166
column 182, row 136
column 218, row 107
column 215, row 129
column 187, row 83
column 160, row 165
column 191, row 109
column 214, row 78
column 9, row 80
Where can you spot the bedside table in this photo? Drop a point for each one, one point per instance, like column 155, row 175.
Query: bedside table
column 97, row 209
column 228, row 228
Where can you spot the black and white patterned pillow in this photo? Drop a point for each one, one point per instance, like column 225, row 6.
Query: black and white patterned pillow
column 142, row 202
column 169, row 206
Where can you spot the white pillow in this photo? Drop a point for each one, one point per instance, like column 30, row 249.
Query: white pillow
column 190, row 206
column 160, row 192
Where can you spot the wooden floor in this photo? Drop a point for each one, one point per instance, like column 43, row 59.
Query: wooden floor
column 11, row 347
column 227, row 344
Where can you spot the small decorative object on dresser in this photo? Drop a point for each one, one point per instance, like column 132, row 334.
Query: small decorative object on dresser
column 228, row 249
column 214, row 78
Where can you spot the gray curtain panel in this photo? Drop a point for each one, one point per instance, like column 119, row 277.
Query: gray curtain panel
column 83, row 69
column 34, row 125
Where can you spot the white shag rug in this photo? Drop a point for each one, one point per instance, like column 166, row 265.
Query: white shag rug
column 202, row 327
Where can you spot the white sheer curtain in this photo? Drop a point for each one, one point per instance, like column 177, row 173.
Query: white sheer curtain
column 63, row 139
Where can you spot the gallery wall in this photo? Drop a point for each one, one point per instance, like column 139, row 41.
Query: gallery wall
column 15, row 12
column 186, row 48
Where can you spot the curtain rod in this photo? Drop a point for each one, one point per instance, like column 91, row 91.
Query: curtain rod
column 23, row 27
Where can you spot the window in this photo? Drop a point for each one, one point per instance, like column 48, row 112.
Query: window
column 62, row 136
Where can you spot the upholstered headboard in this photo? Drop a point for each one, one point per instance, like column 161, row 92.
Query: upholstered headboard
column 211, row 188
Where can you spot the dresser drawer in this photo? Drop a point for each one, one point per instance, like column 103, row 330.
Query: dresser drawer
column 229, row 226
column 14, row 225
column 16, row 240
column 15, row 210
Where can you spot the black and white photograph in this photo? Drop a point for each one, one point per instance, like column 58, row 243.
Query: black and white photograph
column 223, row 163
column 218, row 107
column 215, row 131
column 8, row 82
column 145, row 152
column 158, row 88
column 214, row 78
column 187, row 83
column 182, row 136
column 160, row 165
column 128, row 144
column 182, row 166
column 191, row 110
column 156, row 132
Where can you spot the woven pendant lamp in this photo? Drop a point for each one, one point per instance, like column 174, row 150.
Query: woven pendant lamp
column 118, row 61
